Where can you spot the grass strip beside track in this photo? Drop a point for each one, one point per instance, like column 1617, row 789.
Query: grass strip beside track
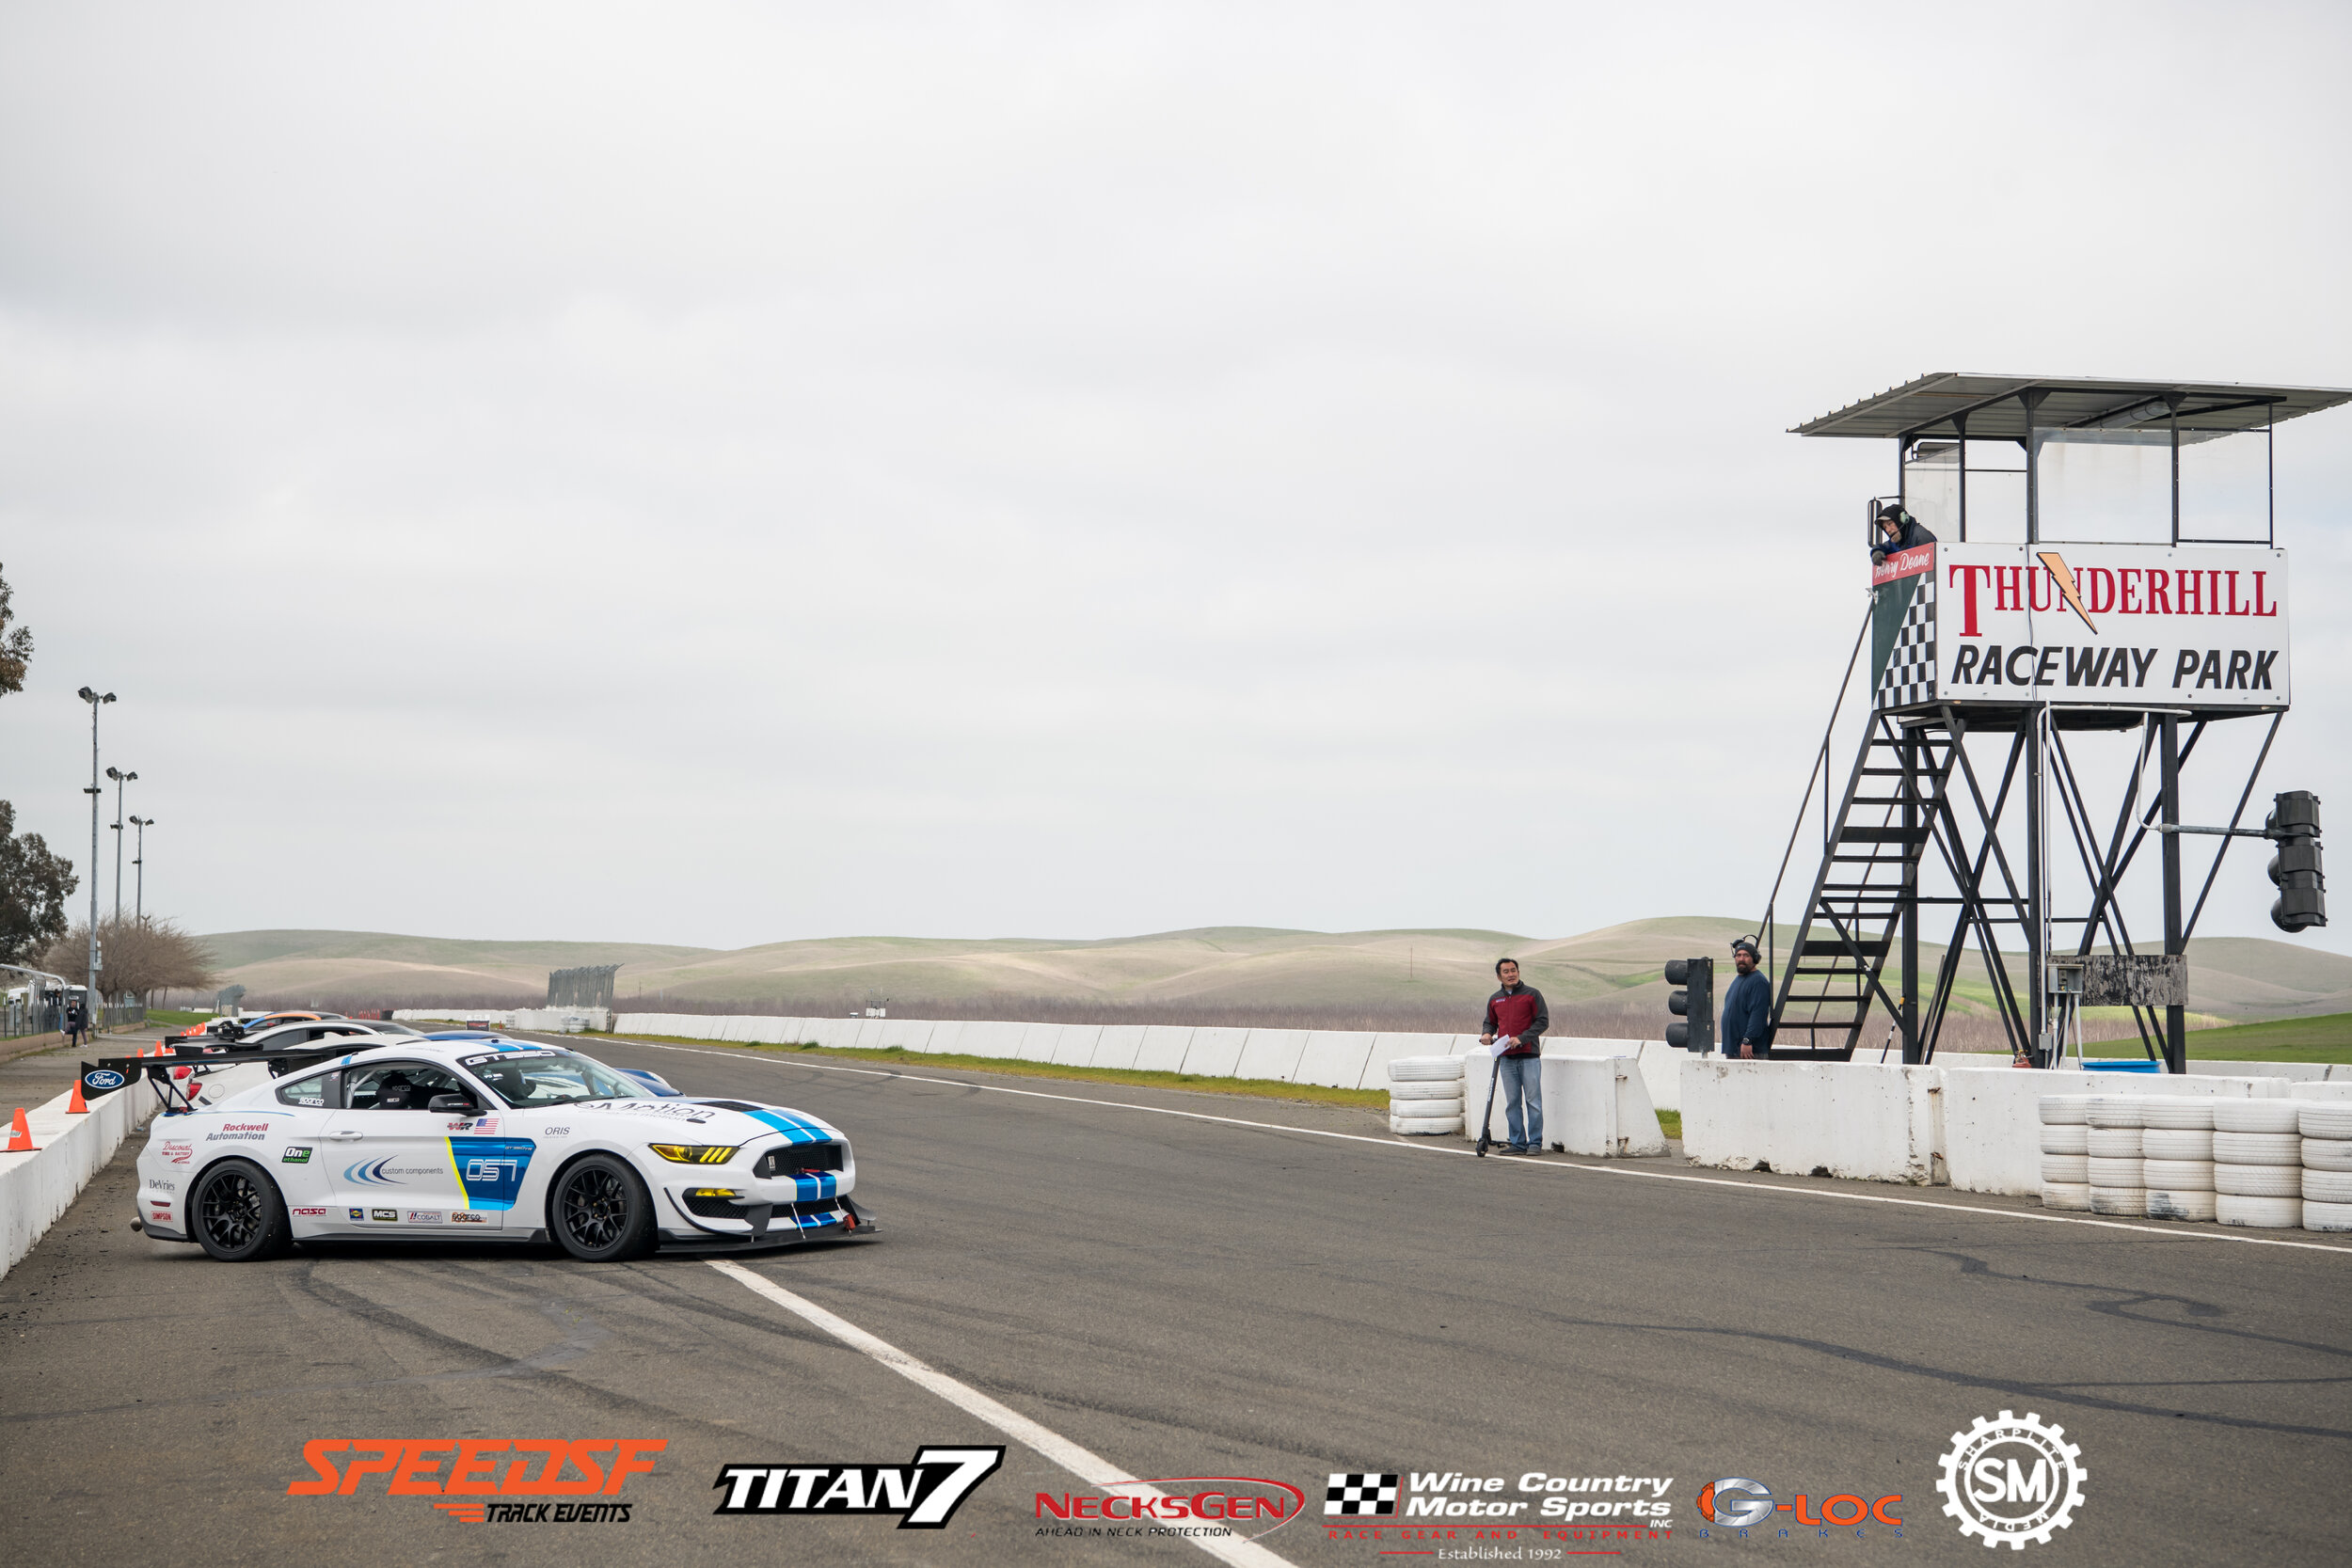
column 1259, row 1089
column 2326, row 1038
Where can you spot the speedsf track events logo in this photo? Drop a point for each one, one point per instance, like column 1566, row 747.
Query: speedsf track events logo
column 487, row 1481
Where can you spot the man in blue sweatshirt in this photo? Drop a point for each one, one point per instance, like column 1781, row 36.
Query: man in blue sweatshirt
column 1747, row 1007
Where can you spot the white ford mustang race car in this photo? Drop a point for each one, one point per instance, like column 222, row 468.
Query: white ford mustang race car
column 481, row 1139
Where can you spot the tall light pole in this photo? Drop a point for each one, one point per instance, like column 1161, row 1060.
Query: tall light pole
column 139, row 897
column 89, row 993
column 120, row 778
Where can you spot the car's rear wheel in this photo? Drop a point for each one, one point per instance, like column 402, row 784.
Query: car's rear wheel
column 238, row 1216
column 600, row 1211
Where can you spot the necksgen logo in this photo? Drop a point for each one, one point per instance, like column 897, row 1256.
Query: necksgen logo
column 485, row 1474
column 923, row 1495
column 1171, row 1503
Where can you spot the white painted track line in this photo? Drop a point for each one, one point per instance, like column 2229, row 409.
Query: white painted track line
column 1086, row 1465
column 2168, row 1233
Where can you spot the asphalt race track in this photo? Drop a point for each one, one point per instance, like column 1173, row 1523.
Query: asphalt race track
column 1185, row 1296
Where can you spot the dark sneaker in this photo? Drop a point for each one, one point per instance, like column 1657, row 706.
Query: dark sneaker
column 1515, row 1149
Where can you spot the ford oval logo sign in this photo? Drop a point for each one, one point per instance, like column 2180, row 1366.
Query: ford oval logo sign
column 105, row 1078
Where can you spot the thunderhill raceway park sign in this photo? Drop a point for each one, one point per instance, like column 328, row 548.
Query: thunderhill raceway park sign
column 2125, row 625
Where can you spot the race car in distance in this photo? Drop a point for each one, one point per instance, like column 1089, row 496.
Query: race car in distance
column 490, row 1140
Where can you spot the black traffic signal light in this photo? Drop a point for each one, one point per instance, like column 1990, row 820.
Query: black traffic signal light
column 1694, row 1001
column 2294, row 826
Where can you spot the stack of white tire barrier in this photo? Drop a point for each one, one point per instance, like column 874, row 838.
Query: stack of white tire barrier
column 2327, row 1155
column 2258, row 1163
column 1426, row 1094
column 2176, row 1156
column 2119, row 1183
column 2065, row 1151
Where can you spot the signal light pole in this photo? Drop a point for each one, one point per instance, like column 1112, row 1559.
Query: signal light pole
column 89, row 992
column 120, row 778
column 1694, row 1001
column 138, row 867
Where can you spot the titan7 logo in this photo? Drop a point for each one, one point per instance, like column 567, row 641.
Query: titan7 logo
column 922, row 1496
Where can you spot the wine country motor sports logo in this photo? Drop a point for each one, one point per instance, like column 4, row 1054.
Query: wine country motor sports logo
column 483, row 1480
column 1422, row 1510
column 1736, row 1506
column 2012, row 1480
column 923, row 1495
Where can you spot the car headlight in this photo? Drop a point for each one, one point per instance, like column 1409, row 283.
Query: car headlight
column 696, row 1154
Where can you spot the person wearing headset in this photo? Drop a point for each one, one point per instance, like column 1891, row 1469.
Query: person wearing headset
column 1747, row 1027
column 1896, row 530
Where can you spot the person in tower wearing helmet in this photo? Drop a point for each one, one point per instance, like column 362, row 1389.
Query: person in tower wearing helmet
column 1747, row 1028
column 1516, row 1014
column 1896, row 530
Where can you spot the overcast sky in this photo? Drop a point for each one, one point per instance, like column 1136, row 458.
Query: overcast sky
column 724, row 473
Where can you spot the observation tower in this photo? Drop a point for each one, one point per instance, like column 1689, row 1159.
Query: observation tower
column 2106, row 579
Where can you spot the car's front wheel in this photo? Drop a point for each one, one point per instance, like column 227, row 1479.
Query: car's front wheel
column 238, row 1216
column 600, row 1210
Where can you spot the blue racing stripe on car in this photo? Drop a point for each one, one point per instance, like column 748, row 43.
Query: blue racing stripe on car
column 793, row 1127
column 819, row 1185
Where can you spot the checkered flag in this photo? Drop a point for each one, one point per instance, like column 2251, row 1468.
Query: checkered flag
column 1361, row 1493
column 1909, row 678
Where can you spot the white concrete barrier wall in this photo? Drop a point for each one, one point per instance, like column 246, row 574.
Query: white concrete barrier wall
column 1117, row 1045
column 1272, row 1054
column 1972, row 1122
column 1599, row 1104
column 1861, row 1121
column 1338, row 1058
column 1334, row 1058
column 37, row 1188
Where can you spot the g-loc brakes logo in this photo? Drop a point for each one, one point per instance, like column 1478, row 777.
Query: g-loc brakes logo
column 1987, row 1489
column 923, row 1495
column 1739, row 1502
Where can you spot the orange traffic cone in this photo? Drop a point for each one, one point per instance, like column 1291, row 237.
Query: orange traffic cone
column 77, row 1106
column 20, row 1136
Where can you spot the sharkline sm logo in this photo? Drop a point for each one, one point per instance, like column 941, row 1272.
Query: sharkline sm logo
column 923, row 1495
column 2011, row 1482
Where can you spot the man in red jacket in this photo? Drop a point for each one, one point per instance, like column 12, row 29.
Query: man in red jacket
column 1517, row 1016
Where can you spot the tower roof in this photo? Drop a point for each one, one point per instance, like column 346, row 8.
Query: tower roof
column 1990, row 405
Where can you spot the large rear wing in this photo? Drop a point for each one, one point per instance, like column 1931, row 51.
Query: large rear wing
column 173, row 1063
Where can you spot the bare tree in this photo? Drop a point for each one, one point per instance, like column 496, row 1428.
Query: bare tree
column 141, row 956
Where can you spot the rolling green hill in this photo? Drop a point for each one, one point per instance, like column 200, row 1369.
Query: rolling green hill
column 2231, row 977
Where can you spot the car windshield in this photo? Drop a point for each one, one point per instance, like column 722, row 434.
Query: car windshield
column 525, row 1079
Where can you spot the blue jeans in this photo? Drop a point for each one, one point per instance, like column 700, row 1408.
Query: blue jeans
column 1522, row 1079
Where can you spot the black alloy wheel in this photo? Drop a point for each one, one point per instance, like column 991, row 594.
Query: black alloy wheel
column 601, row 1212
column 239, row 1216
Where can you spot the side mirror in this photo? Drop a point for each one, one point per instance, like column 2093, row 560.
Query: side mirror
column 450, row 1103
